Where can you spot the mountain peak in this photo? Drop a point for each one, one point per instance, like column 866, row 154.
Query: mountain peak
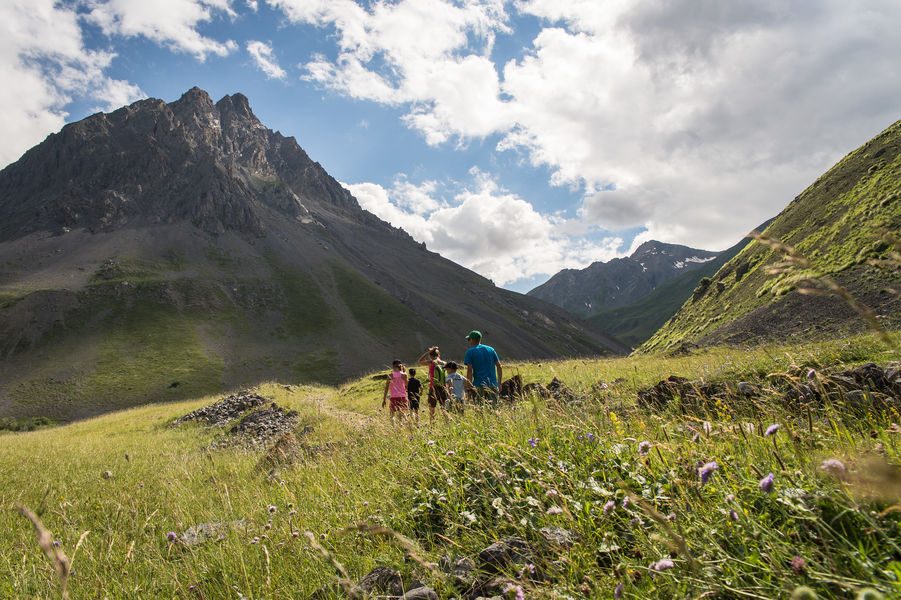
column 236, row 104
column 213, row 165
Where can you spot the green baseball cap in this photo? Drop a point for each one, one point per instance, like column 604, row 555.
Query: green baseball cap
column 475, row 334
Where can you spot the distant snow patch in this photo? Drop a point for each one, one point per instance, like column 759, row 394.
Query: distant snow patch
column 679, row 264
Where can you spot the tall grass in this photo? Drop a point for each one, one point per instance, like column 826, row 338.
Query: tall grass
column 370, row 494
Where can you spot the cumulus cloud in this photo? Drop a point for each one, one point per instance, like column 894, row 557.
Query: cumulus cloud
column 265, row 60
column 483, row 227
column 431, row 54
column 696, row 119
column 172, row 23
column 44, row 64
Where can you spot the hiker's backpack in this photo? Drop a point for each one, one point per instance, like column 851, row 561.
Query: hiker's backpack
column 440, row 378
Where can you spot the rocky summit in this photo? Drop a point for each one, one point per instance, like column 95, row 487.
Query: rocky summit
column 166, row 250
column 621, row 281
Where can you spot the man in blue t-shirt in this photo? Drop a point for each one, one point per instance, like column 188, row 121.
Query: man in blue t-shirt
column 483, row 367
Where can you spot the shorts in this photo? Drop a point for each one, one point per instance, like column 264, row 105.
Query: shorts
column 413, row 402
column 437, row 395
column 398, row 404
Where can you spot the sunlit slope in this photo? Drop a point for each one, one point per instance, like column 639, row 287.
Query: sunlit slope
column 120, row 483
column 839, row 223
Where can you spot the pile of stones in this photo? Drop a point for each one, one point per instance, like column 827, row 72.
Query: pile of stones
column 226, row 410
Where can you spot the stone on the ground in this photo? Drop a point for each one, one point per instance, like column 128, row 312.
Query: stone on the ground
column 558, row 536
column 510, row 550
column 381, row 580
column 228, row 409
column 205, row 532
column 421, row 593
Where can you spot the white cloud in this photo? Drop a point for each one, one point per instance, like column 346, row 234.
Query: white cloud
column 417, row 52
column 697, row 119
column 483, row 227
column 172, row 23
column 265, row 60
column 43, row 64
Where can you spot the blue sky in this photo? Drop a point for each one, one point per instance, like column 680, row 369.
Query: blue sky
column 517, row 138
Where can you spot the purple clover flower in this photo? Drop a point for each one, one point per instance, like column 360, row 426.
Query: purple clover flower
column 618, row 591
column 664, row 564
column 609, row 506
column 589, row 436
column 533, row 442
column 798, row 565
column 733, row 515
column 171, row 537
column 771, row 430
column 766, row 484
column 449, row 453
column 626, row 502
column 272, row 509
column 834, row 467
column 706, row 471
column 644, row 447
column 811, row 373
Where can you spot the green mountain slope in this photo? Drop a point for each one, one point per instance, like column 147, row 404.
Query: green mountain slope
column 839, row 223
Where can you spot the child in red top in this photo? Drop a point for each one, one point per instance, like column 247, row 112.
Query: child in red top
column 396, row 386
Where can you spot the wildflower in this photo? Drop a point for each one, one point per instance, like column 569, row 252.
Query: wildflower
column 609, row 506
column 636, row 522
column 644, row 447
column 449, row 453
column 730, row 498
column 771, row 430
column 811, row 374
column 618, row 591
column 589, row 436
column 272, row 509
column 520, row 594
column 430, row 443
column 293, row 512
column 766, row 484
column 664, row 564
column 626, row 502
column 533, row 442
column 255, row 540
column 295, row 534
column 733, row 515
column 798, row 565
column 834, row 467
column 550, row 493
column 171, row 537
column 706, row 471
column 268, row 525
column 554, row 510
column 57, row 543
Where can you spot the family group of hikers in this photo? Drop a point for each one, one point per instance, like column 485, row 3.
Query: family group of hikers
column 447, row 388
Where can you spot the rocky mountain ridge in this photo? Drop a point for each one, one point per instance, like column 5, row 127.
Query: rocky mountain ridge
column 170, row 249
column 620, row 281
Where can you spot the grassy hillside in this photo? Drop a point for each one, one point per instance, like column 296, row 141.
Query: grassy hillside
column 110, row 488
column 839, row 223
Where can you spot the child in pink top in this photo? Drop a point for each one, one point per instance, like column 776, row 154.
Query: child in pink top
column 396, row 386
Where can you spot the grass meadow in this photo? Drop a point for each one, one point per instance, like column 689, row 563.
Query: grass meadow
column 647, row 515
